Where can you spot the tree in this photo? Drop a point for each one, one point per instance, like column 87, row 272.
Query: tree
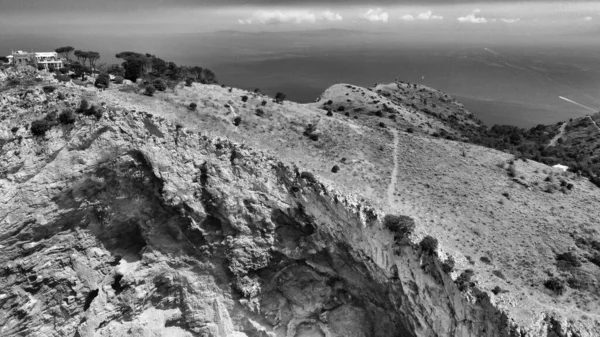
column 135, row 64
column 81, row 56
column 4, row 59
column 150, row 90
column 279, row 97
column 39, row 127
column 208, row 77
column 65, row 52
column 102, row 81
column 93, row 57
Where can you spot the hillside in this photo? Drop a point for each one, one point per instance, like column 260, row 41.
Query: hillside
column 161, row 219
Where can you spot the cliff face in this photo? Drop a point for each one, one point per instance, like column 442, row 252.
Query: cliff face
column 130, row 226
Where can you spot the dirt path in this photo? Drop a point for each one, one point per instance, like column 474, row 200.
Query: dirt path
column 560, row 134
column 392, row 187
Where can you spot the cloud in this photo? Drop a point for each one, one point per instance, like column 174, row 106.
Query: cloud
column 330, row 16
column 407, row 17
column 473, row 18
column 510, row 20
column 285, row 17
column 376, row 15
column 428, row 16
column 588, row 18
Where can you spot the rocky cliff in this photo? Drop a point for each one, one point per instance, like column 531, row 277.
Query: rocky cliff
column 132, row 225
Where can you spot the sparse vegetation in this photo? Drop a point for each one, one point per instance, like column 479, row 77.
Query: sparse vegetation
column 67, row 117
column 48, row 89
column 193, row 106
column 556, row 285
column 400, row 225
column 464, row 280
column 335, row 169
column 429, row 244
column 237, row 120
column 149, row 90
column 40, row 127
column 280, row 97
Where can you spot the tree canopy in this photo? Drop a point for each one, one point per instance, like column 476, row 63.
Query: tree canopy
column 65, row 52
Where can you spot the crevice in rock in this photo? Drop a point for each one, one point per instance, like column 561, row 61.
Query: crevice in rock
column 89, row 299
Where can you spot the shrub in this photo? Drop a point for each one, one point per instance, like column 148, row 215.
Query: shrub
column 308, row 176
column 497, row 290
column 382, row 125
column 63, row 71
column 256, row 91
column 464, row 281
column 329, row 102
column 595, row 259
column 329, row 113
column 263, row 103
column 429, row 244
column 400, row 225
column 61, row 96
column 63, row 78
column 244, row 99
column 48, row 89
column 280, row 97
column 193, row 106
column 237, row 120
column 347, row 114
column 341, row 108
column 83, row 106
column 159, row 85
column 556, row 285
column 314, row 137
column 150, row 90
column 448, row 265
column 260, row 112
column 98, row 113
column 119, row 80
column 14, row 129
column 51, row 116
column 103, row 81
column 67, row 117
column 39, row 127
column 335, row 169
column 485, row 259
column 189, row 82
column 569, row 258
column 410, row 130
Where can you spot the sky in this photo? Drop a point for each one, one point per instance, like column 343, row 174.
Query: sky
column 171, row 16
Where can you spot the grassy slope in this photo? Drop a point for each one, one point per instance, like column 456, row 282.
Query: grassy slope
column 453, row 190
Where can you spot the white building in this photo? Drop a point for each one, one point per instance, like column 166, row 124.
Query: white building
column 47, row 60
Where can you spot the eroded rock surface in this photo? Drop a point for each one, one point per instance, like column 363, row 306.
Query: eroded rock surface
column 131, row 226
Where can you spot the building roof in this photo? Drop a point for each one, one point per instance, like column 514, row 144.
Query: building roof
column 46, row 54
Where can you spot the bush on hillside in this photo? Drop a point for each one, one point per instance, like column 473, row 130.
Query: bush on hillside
column 83, row 106
column 329, row 113
column 150, row 90
column 569, row 258
column 193, row 106
column 464, row 280
column 400, row 225
column 63, row 78
column 102, row 81
column 63, row 71
column 189, row 82
column 51, row 116
column 341, row 108
column 48, row 89
column 260, row 112
column 119, row 80
column 429, row 244
column 159, row 85
column 279, row 97
column 244, row 99
column 40, row 127
column 67, row 117
column 237, row 120
column 335, row 169
column 61, row 96
column 263, row 103
column 556, row 285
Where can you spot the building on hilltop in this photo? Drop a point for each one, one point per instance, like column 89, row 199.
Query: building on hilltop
column 46, row 60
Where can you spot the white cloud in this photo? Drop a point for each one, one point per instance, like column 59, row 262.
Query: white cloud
column 407, row 17
column 588, row 18
column 428, row 16
column 510, row 20
column 281, row 17
column 376, row 15
column 473, row 18
column 330, row 16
